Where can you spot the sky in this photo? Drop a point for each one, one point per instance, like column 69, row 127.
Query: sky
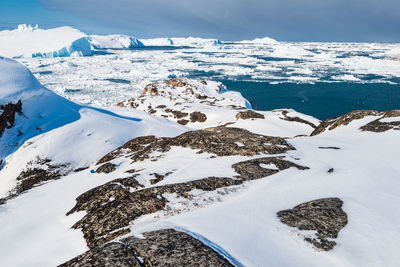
column 284, row 20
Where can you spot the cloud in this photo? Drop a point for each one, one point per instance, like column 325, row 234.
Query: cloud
column 340, row 20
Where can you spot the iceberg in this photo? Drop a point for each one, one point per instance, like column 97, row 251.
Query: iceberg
column 114, row 41
column 29, row 41
column 190, row 41
column 265, row 40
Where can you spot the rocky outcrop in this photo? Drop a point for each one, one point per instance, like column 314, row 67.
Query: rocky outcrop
column 172, row 248
column 198, row 117
column 380, row 125
column 249, row 114
column 112, row 207
column 374, row 126
column 111, row 254
column 7, row 118
column 222, row 141
column 36, row 173
column 325, row 216
column 263, row 167
column 176, row 98
column 158, row 248
column 296, row 119
column 106, row 168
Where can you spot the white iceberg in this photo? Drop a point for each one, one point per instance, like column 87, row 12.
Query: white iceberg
column 265, row 40
column 28, row 41
column 190, row 41
column 114, row 41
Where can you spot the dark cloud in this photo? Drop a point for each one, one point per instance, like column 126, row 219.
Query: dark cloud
column 297, row 20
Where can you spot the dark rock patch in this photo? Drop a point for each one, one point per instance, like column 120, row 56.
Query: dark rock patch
column 249, row 114
column 177, row 82
column 172, row 248
column 331, row 170
column 183, row 122
column 218, row 140
column 159, row 248
column 325, row 216
column 111, row 254
column 331, row 124
column 329, row 147
column 297, row 119
column 378, row 126
column 198, row 117
column 7, row 118
column 253, row 169
column 36, row 173
column 104, row 216
column 106, row 168
column 151, row 89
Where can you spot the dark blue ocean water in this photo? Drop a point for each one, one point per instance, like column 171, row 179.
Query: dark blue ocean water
column 321, row 100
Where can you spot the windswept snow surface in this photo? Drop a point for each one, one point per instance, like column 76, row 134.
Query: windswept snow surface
column 28, row 41
column 114, row 41
column 242, row 225
column 365, row 177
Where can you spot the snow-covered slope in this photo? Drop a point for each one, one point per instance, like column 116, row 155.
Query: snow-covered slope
column 83, row 178
column 115, row 41
column 28, row 41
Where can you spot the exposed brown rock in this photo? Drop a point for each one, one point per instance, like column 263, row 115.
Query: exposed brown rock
column 297, row 119
column 325, row 216
column 378, row 126
column 177, row 82
column 253, row 169
column 249, row 114
column 111, row 255
column 331, row 124
column 221, row 141
column 106, row 168
column 166, row 247
column 198, row 117
column 36, row 173
column 172, row 248
column 183, row 122
column 105, row 216
column 7, row 118
column 151, row 89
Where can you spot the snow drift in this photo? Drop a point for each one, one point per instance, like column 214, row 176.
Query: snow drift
column 28, row 41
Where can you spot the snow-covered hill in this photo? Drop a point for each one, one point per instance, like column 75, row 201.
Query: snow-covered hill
column 190, row 167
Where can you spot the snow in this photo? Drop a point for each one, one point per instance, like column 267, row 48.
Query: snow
column 114, row 41
column 365, row 178
column 239, row 222
column 28, row 41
